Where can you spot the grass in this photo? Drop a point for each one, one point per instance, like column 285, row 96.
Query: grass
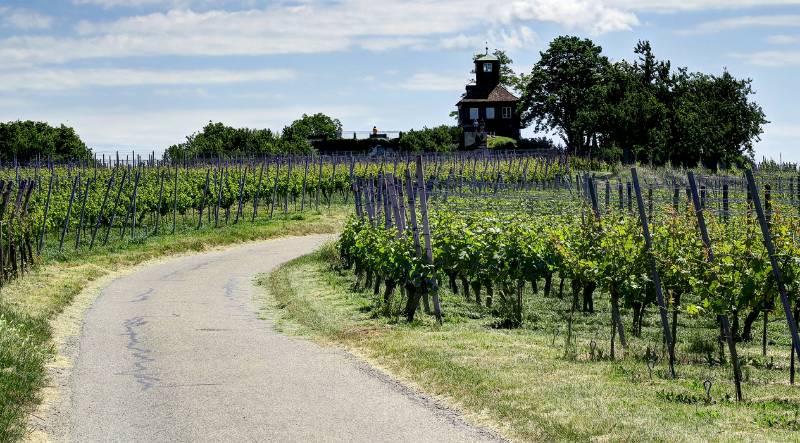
column 524, row 384
column 30, row 304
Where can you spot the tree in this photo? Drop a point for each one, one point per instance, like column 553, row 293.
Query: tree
column 439, row 138
column 640, row 111
column 220, row 140
column 713, row 120
column 313, row 127
column 564, row 92
column 637, row 114
column 27, row 140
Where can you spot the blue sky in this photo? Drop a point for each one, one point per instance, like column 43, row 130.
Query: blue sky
column 143, row 74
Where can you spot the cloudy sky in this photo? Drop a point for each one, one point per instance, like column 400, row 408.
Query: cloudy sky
column 142, row 74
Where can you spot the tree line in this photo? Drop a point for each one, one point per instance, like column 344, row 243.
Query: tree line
column 637, row 111
column 28, row 140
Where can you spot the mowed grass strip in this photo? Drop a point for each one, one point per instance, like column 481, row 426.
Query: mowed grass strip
column 28, row 305
column 519, row 381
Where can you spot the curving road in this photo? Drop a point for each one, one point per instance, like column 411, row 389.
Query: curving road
column 176, row 352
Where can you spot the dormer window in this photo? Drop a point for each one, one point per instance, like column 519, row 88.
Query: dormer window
column 487, row 67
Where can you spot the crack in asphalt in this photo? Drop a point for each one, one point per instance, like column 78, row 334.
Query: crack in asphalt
column 139, row 353
column 144, row 296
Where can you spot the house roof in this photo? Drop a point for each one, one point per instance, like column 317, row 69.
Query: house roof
column 498, row 94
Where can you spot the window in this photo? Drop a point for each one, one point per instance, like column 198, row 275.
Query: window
column 507, row 112
column 473, row 113
column 489, row 113
column 487, row 67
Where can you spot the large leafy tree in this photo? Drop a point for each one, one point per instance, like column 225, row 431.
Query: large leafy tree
column 27, row 140
column 713, row 120
column 220, row 140
column 565, row 91
column 641, row 111
column 313, row 127
column 637, row 117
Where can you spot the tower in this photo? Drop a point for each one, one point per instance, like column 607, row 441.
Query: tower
column 487, row 72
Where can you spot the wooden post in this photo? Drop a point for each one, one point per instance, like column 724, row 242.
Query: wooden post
column 175, row 201
column 203, row 199
column 116, row 204
column 395, row 206
column 44, row 218
column 776, row 271
column 722, row 319
column 83, row 211
column 219, row 178
column 275, row 188
column 357, row 192
column 319, row 184
column 69, row 213
column 426, row 232
column 305, row 181
column 240, row 207
column 630, row 197
column 288, row 185
column 160, row 200
column 662, row 307
column 133, row 206
column 258, row 192
column 99, row 220
column 725, row 203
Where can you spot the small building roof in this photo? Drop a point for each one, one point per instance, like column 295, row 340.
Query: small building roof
column 498, row 94
column 487, row 58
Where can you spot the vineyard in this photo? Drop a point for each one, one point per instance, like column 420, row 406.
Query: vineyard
column 56, row 210
column 63, row 225
column 690, row 274
column 672, row 255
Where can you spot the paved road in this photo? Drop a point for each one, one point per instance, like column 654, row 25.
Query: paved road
column 176, row 352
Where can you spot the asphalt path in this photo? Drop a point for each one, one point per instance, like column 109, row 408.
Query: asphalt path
column 177, row 352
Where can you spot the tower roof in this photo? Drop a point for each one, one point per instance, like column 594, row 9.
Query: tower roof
column 498, row 94
column 487, row 58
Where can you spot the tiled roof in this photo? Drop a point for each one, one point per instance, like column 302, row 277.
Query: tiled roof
column 498, row 94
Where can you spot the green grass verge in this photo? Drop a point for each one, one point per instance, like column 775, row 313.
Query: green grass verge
column 29, row 304
column 520, row 381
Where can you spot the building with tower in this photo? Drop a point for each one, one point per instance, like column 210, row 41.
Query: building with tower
column 487, row 107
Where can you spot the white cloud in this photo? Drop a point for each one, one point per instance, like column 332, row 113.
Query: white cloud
column 513, row 39
column 312, row 27
column 427, row 81
column 108, row 4
column 593, row 16
column 24, row 19
column 71, row 79
column 772, row 58
column 783, row 39
column 461, row 41
column 748, row 21
column 669, row 6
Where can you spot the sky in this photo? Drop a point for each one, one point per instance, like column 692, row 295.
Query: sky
column 143, row 74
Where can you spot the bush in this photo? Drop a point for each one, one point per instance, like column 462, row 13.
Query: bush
column 498, row 142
